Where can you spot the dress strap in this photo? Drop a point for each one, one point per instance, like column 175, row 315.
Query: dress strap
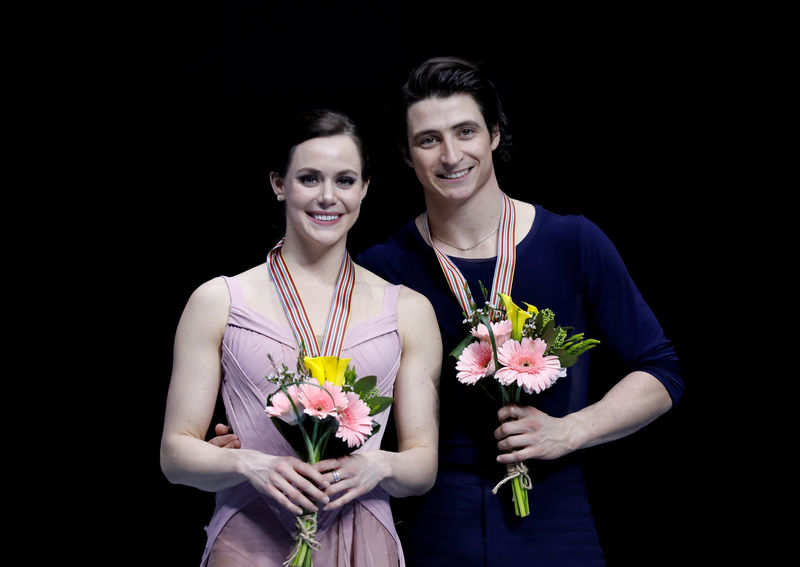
column 236, row 291
column 390, row 295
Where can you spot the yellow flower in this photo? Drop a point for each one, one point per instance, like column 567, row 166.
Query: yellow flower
column 517, row 316
column 328, row 368
column 532, row 309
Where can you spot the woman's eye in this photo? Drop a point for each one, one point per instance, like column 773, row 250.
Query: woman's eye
column 309, row 179
column 346, row 181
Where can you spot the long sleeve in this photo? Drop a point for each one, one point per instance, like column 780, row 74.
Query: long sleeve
column 619, row 315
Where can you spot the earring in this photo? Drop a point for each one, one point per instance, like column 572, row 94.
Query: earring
column 281, row 197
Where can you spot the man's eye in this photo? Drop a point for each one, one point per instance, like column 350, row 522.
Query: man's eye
column 427, row 141
column 467, row 132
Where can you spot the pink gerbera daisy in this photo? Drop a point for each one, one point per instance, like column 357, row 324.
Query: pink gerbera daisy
column 280, row 406
column 322, row 401
column 501, row 331
column 355, row 424
column 524, row 363
column 474, row 363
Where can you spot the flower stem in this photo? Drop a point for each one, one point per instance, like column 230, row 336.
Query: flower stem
column 304, row 542
column 520, row 496
column 504, row 395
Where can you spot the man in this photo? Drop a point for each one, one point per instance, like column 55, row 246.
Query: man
column 451, row 125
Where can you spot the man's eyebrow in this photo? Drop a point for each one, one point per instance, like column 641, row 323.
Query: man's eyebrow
column 464, row 124
column 424, row 132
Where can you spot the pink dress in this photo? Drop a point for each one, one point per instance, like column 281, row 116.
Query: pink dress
column 248, row 528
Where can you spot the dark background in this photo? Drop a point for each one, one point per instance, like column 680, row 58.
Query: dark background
column 623, row 117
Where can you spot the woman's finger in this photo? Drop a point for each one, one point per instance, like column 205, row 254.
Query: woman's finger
column 328, row 465
column 311, row 473
column 349, row 489
column 295, row 495
column 280, row 498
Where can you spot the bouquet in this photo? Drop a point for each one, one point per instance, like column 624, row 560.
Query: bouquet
column 323, row 410
column 518, row 351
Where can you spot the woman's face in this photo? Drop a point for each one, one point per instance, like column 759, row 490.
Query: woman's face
column 323, row 188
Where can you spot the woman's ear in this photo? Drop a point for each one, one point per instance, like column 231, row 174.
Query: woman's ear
column 277, row 185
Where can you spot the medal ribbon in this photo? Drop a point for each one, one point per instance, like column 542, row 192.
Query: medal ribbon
column 336, row 325
column 503, row 269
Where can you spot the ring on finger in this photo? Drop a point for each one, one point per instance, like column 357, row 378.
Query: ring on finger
column 336, row 477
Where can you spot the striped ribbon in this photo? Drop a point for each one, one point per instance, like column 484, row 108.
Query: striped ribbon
column 503, row 269
column 336, row 325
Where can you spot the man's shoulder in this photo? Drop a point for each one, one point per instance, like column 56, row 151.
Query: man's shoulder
column 402, row 242
column 387, row 258
column 564, row 225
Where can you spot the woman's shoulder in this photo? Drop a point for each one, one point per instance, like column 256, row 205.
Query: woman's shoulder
column 208, row 306
column 370, row 284
column 405, row 295
column 210, row 296
column 216, row 292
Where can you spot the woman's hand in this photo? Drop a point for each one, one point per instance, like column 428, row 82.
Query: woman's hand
column 528, row 433
column 292, row 483
column 353, row 476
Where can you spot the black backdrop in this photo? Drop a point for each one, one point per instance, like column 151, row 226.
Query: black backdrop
column 616, row 116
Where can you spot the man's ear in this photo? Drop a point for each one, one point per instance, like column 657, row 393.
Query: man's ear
column 495, row 136
column 406, row 155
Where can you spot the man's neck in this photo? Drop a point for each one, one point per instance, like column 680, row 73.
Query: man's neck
column 465, row 223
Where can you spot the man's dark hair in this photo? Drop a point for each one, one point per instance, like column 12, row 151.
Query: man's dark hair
column 441, row 77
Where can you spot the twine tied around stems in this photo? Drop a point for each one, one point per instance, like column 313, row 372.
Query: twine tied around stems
column 306, row 530
column 514, row 470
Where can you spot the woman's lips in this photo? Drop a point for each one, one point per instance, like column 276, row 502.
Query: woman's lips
column 324, row 218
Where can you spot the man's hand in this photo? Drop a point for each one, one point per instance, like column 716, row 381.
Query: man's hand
column 528, row 433
column 225, row 438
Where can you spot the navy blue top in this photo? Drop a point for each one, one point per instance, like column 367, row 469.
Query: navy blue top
column 565, row 263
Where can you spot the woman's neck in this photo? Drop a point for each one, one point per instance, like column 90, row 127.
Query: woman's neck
column 322, row 263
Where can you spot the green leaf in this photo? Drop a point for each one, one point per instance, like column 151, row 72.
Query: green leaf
column 538, row 323
column 462, row 345
column 378, row 404
column 364, row 385
column 566, row 360
column 549, row 333
column 484, row 291
column 583, row 346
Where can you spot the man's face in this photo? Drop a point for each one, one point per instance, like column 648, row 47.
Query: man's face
column 450, row 146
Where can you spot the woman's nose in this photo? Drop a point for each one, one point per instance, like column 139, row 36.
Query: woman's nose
column 327, row 195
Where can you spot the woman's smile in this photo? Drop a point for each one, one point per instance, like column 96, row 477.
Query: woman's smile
column 324, row 219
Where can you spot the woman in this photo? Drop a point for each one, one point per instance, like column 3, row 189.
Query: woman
column 231, row 324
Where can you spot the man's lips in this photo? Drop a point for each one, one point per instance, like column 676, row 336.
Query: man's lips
column 455, row 175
